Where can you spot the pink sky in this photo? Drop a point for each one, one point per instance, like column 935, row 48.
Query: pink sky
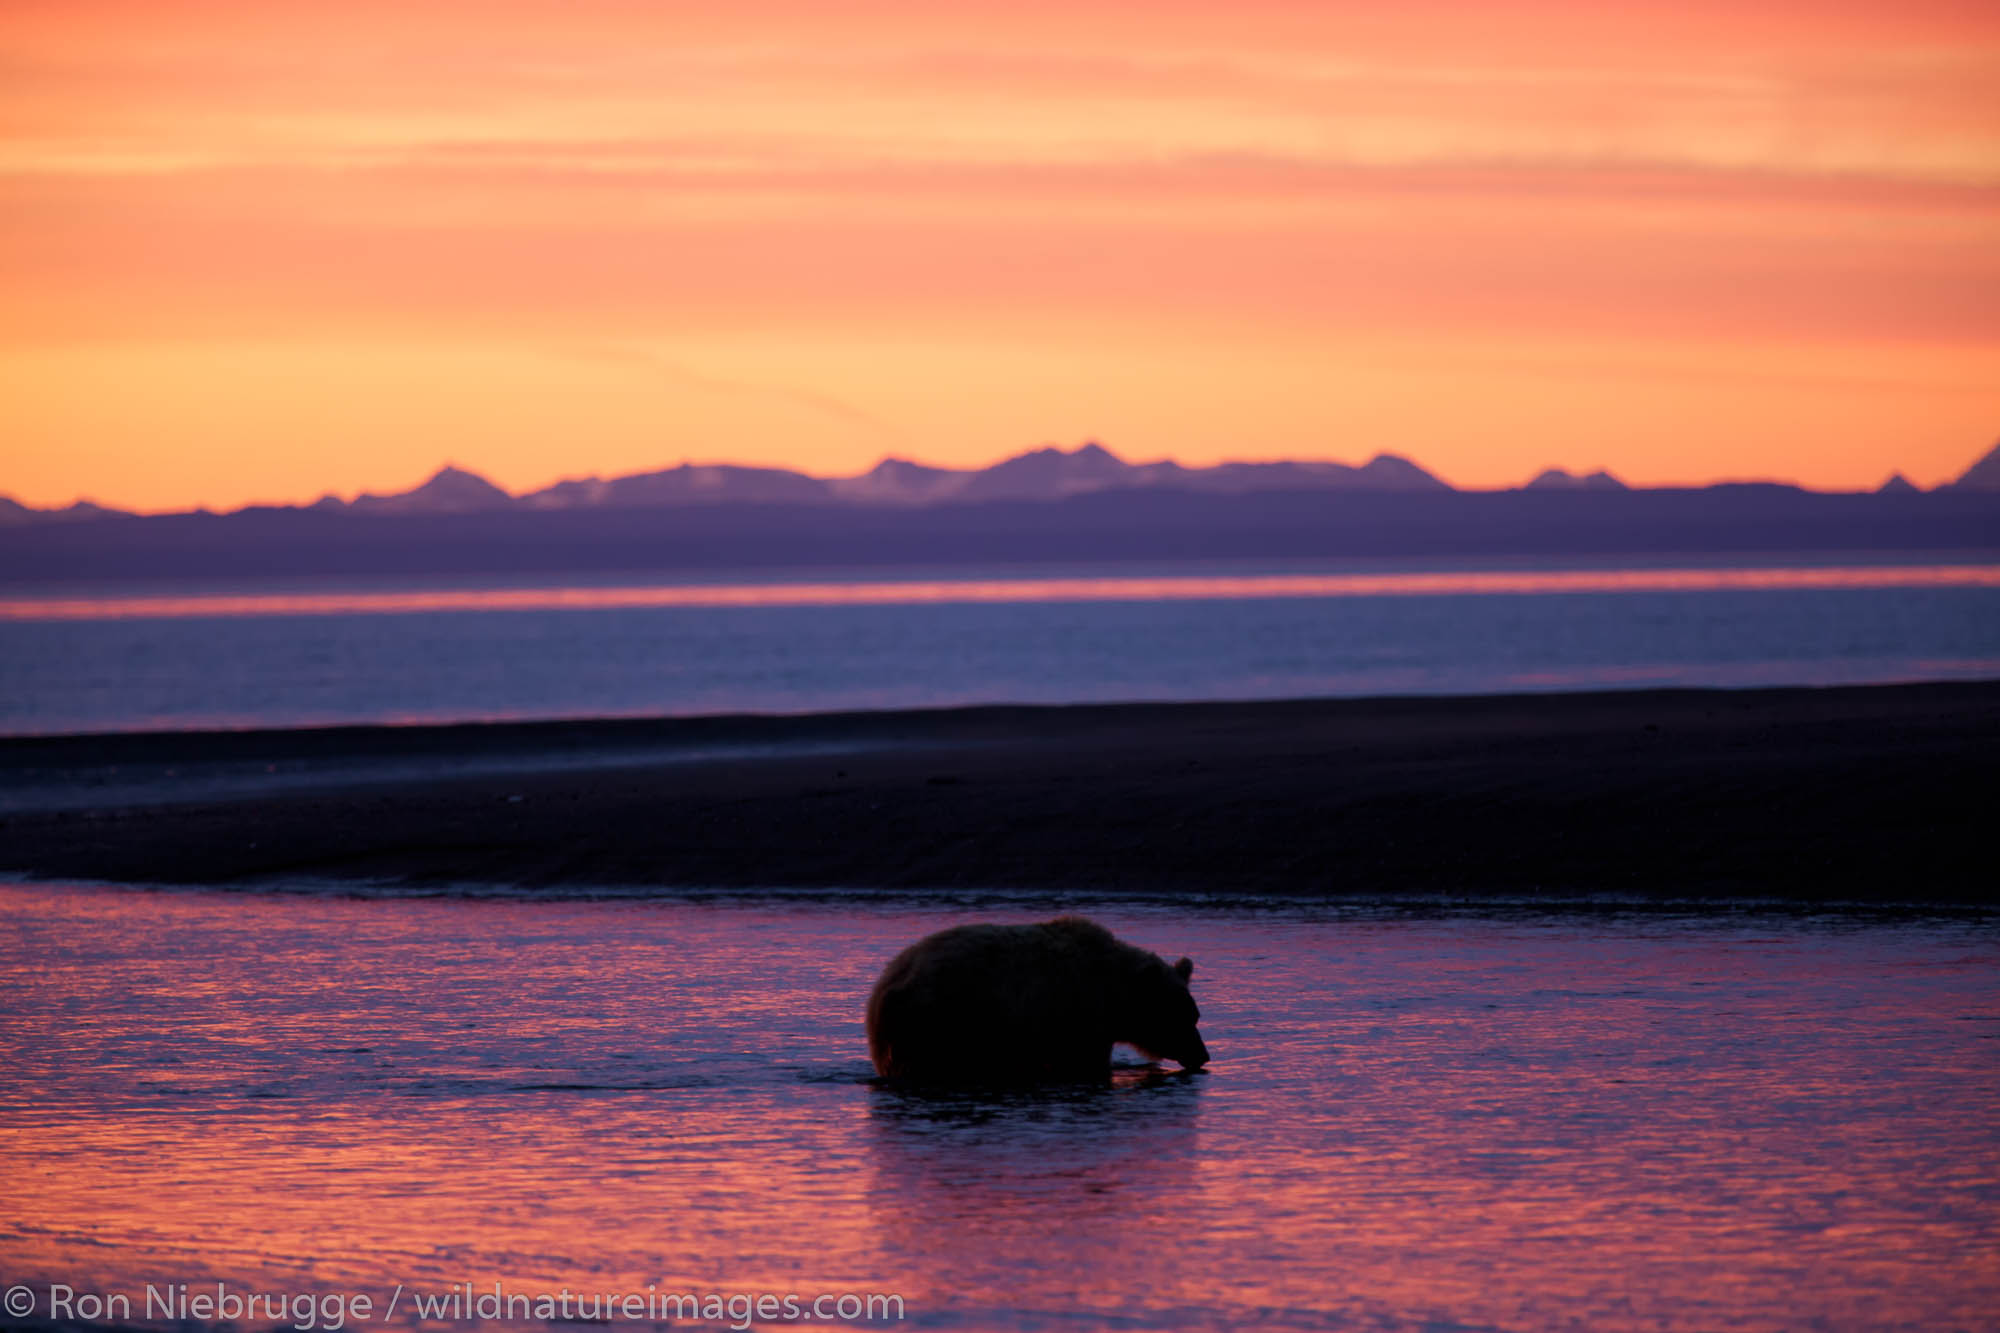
column 259, row 251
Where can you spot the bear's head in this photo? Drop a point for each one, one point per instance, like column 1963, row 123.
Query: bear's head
column 1158, row 1015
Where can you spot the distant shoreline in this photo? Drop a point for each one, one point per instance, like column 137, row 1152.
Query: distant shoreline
column 1877, row 794
column 1127, row 525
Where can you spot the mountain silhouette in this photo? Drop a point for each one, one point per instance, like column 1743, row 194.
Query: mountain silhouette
column 1049, row 474
column 13, row 512
column 1043, row 474
column 899, row 481
column 1556, row 479
column 1983, row 475
column 1384, row 472
column 690, row 483
column 451, row 490
column 1046, row 475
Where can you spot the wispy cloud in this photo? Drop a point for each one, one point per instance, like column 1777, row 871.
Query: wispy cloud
column 1925, row 110
column 653, row 363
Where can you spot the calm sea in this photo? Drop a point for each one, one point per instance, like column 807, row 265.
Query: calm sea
column 1414, row 1120
column 257, row 654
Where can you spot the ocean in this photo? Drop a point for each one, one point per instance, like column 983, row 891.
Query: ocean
column 259, row 654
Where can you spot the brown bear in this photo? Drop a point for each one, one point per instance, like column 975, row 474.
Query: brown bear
column 1033, row 1003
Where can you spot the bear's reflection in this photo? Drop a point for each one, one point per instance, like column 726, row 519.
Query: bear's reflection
column 1033, row 1192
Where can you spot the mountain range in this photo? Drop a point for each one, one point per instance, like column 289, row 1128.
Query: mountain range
column 1044, row 474
column 1041, row 474
column 1082, row 506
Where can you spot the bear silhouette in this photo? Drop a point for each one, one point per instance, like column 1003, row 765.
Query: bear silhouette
column 1045, row 1002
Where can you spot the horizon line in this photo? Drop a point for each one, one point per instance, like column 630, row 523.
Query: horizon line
column 450, row 465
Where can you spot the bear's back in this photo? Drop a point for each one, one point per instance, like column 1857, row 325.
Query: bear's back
column 1003, row 1001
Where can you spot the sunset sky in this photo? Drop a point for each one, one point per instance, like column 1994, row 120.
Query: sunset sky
column 255, row 250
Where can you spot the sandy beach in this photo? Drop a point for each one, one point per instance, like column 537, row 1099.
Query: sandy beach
column 1877, row 794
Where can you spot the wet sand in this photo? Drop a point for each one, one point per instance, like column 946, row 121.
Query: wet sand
column 1876, row 794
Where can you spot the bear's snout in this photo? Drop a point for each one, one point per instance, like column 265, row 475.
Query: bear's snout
column 1195, row 1056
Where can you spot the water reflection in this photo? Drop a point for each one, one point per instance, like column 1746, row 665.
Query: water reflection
column 981, row 1156
column 1007, row 1180
column 922, row 591
column 1533, row 1121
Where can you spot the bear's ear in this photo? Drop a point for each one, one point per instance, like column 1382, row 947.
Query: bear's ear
column 1184, row 968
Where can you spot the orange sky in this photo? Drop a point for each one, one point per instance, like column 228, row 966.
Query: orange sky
column 257, row 250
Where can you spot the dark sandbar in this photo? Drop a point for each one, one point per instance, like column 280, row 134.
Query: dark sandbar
column 1878, row 794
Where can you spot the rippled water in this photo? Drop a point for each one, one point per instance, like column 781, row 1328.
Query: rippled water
column 1519, row 1120
column 259, row 655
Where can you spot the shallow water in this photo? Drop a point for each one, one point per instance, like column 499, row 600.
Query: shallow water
column 1415, row 1119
